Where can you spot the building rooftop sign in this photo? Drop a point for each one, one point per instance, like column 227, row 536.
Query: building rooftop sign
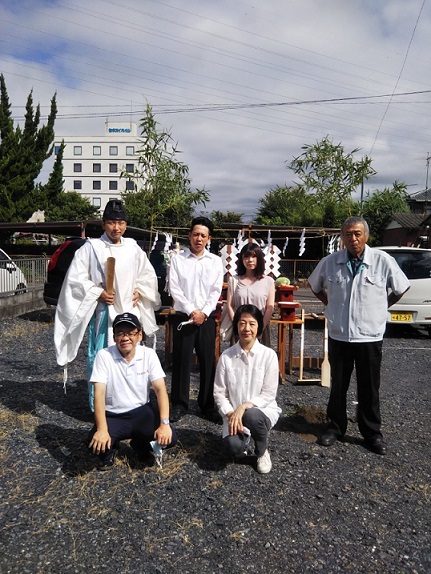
column 120, row 128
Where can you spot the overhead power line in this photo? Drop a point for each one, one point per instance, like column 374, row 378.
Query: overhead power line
column 399, row 77
column 224, row 107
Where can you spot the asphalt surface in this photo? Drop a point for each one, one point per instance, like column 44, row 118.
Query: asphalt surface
column 340, row 509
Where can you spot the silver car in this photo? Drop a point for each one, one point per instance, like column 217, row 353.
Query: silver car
column 415, row 306
column 12, row 280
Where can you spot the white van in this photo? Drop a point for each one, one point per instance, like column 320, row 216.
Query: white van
column 415, row 306
column 12, row 280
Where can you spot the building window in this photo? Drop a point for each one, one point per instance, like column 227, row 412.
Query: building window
column 129, row 167
column 113, row 150
column 77, row 184
column 113, row 167
column 97, row 184
column 97, row 167
column 77, row 150
column 130, row 150
column 130, row 186
column 113, row 185
column 97, row 202
column 57, row 149
column 97, row 150
column 77, row 167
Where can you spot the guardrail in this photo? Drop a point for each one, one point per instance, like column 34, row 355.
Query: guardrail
column 22, row 274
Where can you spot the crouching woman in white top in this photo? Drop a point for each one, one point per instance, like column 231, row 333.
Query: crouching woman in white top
column 245, row 388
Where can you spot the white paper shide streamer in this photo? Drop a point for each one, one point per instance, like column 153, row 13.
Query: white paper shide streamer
column 302, row 243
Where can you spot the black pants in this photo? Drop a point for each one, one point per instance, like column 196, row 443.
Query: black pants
column 138, row 424
column 202, row 340
column 259, row 426
column 367, row 359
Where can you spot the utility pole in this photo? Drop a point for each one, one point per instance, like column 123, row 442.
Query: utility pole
column 428, row 167
column 426, row 200
column 426, row 183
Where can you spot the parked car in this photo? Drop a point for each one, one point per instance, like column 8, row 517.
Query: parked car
column 415, row 306
column 12, row 279
column 57, row 268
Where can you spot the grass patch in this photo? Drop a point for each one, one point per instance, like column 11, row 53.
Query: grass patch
column 10, row 420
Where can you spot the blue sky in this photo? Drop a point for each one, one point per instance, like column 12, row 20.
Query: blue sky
column 107, row 58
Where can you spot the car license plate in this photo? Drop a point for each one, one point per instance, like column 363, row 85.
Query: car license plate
column 402, row 317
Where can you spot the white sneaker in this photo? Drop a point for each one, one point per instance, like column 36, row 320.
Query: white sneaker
column 264, row 463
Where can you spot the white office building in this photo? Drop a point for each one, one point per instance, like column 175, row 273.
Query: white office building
column 92, row 165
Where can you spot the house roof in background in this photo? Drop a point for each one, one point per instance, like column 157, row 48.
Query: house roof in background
column 424, row 195
column 409, row 220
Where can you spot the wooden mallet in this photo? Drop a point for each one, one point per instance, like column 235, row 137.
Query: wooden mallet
column 110, row 272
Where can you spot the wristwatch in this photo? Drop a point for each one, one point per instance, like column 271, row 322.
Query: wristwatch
column 164, row 422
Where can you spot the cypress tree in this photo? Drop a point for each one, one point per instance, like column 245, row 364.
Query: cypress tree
column 22, row 153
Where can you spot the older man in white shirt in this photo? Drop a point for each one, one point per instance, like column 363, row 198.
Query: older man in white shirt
column 356, row 285
column 195, row 283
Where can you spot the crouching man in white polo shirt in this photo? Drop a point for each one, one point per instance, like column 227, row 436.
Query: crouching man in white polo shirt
column 123, row 375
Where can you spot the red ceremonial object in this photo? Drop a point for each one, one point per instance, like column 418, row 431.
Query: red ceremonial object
column 285, row 302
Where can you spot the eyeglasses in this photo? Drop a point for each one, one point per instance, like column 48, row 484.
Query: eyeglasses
column 121, row 334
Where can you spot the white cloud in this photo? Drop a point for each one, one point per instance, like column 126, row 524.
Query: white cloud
column 107, row 57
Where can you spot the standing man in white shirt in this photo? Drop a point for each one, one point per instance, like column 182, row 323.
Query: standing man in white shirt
column 356, row 285
column 195, row 283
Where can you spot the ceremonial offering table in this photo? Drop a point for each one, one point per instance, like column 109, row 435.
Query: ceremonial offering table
column 287, row 318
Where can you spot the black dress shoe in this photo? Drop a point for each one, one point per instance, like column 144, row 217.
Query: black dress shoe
column 106, row 462
column 328, row 438
column 376, row 445
column 177, row 411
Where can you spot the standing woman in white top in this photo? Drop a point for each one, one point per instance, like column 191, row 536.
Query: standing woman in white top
column 252, row 286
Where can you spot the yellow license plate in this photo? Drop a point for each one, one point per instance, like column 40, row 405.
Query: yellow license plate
column 402, row 317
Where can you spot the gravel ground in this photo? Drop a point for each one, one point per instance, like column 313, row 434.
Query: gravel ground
column 341, row 509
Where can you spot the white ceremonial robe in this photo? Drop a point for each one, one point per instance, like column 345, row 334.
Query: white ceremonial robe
column 85, row 281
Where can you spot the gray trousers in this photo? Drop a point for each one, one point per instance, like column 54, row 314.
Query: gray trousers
column 259, row 425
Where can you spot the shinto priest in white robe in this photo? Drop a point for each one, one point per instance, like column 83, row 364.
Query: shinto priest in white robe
column 84, row 283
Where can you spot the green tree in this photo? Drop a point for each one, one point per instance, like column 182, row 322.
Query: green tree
column 288, row 206
column 164, row 197
column 222, row 220
column 52, row 192
column 7, row 143
column 331, row 175
column 378, row 208
column 72, row 207
column 22, row 153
